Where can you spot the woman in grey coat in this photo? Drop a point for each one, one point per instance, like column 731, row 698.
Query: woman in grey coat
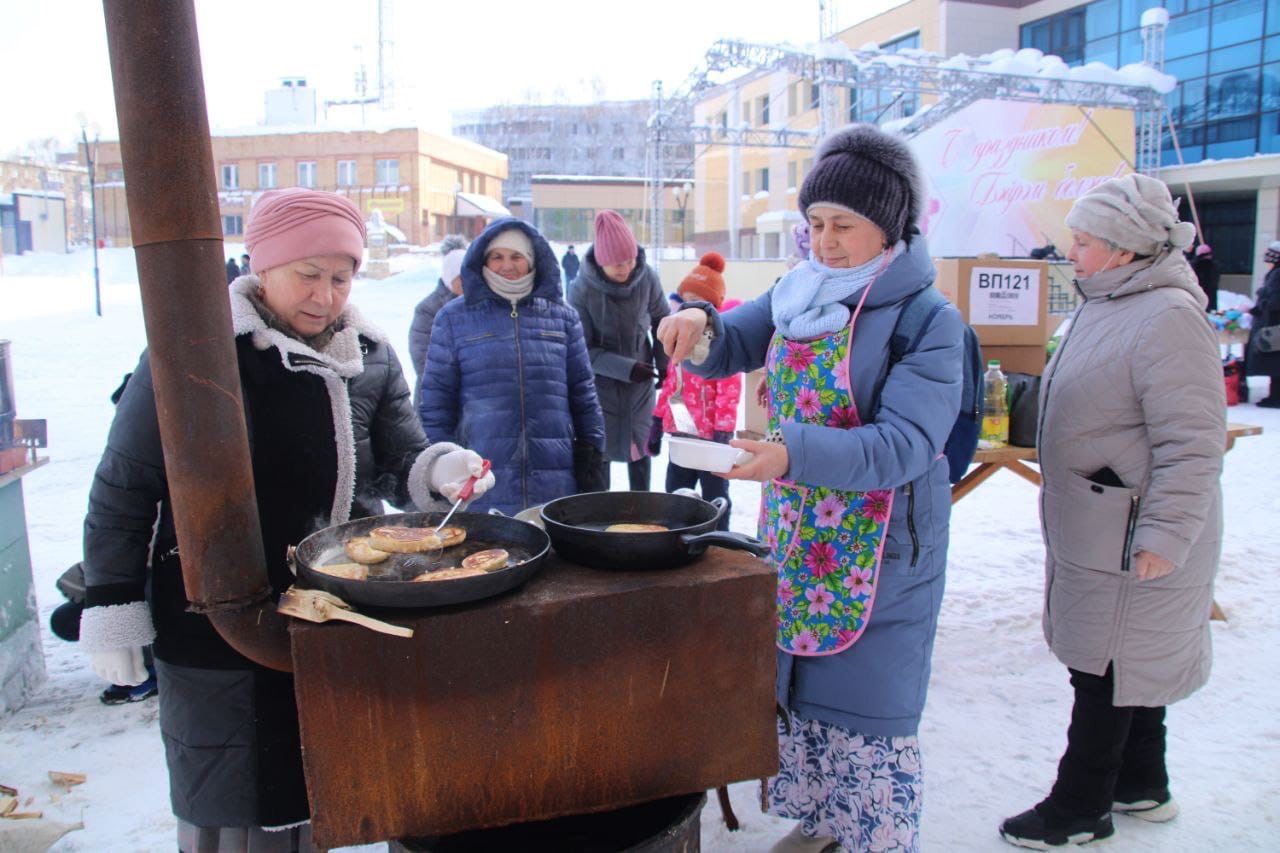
column 1131, row 436
column 620, row 300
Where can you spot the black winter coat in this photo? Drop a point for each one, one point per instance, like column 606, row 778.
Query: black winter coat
column 424, row 316
column 1208, row 275
column 331, row 435
column 1266, row 312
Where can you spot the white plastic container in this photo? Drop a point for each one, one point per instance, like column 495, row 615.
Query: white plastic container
column 702, row 455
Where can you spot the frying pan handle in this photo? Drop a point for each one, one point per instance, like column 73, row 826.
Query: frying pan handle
column 721, row 504
column 725, row 539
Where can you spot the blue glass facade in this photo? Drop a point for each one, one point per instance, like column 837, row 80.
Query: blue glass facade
column 872, row 104
column 1226, row 56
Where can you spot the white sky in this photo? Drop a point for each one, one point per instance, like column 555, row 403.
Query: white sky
column 448, row 54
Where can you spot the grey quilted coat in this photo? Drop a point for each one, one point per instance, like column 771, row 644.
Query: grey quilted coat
column 1136, row 387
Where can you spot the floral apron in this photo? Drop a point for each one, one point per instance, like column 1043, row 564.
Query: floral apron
column 825, row 543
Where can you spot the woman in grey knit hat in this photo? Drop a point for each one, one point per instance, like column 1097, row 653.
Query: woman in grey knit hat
column 857, row 502
column 1131, row 436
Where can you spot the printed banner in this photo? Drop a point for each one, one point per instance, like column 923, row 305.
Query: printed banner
column 1002, row 175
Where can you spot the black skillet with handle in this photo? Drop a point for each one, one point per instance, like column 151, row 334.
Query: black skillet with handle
column 577, row 527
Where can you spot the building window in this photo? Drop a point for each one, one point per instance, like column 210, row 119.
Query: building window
column 388, row 172
column 746, row 183
column 763, row 109
column 815, row 96
column 1062, row 34
column 746, row 112
column 724, row 124
column 346, row 173
column 232, row 226
column 307, row 173
column 619, row 153
column 763, row 179
column 231, row 177
column 266, row 176
column 793, row 169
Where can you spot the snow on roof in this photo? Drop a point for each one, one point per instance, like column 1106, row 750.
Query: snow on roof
column 37, row 193
column 481, row 205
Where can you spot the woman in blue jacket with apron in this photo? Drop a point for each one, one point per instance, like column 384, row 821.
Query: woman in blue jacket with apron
column 856, row 501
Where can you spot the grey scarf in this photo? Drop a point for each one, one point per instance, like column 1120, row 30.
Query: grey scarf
column 512, row 291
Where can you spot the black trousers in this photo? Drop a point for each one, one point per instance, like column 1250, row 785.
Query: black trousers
column 638, row 473
column 1112, row 753
column 679, row 477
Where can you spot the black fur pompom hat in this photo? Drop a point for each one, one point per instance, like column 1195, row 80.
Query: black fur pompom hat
column 870, row 172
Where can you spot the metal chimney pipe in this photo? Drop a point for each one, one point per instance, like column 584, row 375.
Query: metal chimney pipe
column 177, row 238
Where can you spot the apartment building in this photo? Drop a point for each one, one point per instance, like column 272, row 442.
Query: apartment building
column 426, row 185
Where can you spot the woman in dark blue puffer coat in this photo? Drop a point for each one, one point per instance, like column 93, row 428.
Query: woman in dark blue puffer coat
column 507, row 371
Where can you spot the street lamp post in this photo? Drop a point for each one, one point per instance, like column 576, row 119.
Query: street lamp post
column 89, row 156
column 682, row 194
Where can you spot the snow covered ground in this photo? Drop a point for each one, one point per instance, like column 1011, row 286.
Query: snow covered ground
column 998, row 705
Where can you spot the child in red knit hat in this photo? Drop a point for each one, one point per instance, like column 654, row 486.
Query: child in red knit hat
column 713, row 403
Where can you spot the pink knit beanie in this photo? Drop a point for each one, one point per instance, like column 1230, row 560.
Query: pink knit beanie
column 294, row 223
column 614, row 242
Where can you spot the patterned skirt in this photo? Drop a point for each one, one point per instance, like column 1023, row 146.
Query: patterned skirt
column 863, row 790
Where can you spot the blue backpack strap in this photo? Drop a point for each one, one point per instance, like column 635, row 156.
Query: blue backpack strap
column 913, row 320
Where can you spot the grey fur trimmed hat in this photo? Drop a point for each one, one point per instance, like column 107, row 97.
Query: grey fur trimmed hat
column 868, row 171
column 1134, row 212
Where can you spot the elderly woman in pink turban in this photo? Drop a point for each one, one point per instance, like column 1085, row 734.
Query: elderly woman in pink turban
column 332, row 436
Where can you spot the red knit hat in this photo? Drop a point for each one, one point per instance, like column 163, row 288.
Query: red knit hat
column 705, row 280
column 614, row 243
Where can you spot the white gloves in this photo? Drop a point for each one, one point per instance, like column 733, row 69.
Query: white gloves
column 453, row 469
column 120, row 666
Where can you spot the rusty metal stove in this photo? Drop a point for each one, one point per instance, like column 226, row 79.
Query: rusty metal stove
column 583, row 691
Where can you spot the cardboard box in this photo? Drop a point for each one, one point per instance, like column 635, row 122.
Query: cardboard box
column 1006, row 301
column 1019, row 359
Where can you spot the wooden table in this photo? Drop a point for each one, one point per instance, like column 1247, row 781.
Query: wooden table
column 1014, row 459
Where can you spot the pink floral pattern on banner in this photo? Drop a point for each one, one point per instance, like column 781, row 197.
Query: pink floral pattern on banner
column 825, row 543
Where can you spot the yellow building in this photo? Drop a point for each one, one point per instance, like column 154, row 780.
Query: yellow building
column 44, row 207
column 426, row 185
column 565, row 206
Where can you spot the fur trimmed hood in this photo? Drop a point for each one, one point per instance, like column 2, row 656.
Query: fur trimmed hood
column 342, row 354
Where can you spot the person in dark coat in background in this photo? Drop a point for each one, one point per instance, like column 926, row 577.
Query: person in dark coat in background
column 233, row 270
column 620, row 300
column 244, row 265
column 331, row 436
column 508, row 375
column 570, row 263
column 1207, row 274
column 1266, row 312
column 453, row 249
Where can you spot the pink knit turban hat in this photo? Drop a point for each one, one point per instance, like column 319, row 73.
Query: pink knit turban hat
column 294, row 223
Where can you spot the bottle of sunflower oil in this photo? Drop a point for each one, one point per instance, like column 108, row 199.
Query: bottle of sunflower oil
column 995, row 415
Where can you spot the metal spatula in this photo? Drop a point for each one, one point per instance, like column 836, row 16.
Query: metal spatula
column 679, row 411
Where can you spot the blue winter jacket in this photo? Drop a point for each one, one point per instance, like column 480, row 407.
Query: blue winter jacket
column 877, row 686
column 512, row 383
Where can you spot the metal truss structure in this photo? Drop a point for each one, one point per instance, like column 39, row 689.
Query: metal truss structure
column 952, row 84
